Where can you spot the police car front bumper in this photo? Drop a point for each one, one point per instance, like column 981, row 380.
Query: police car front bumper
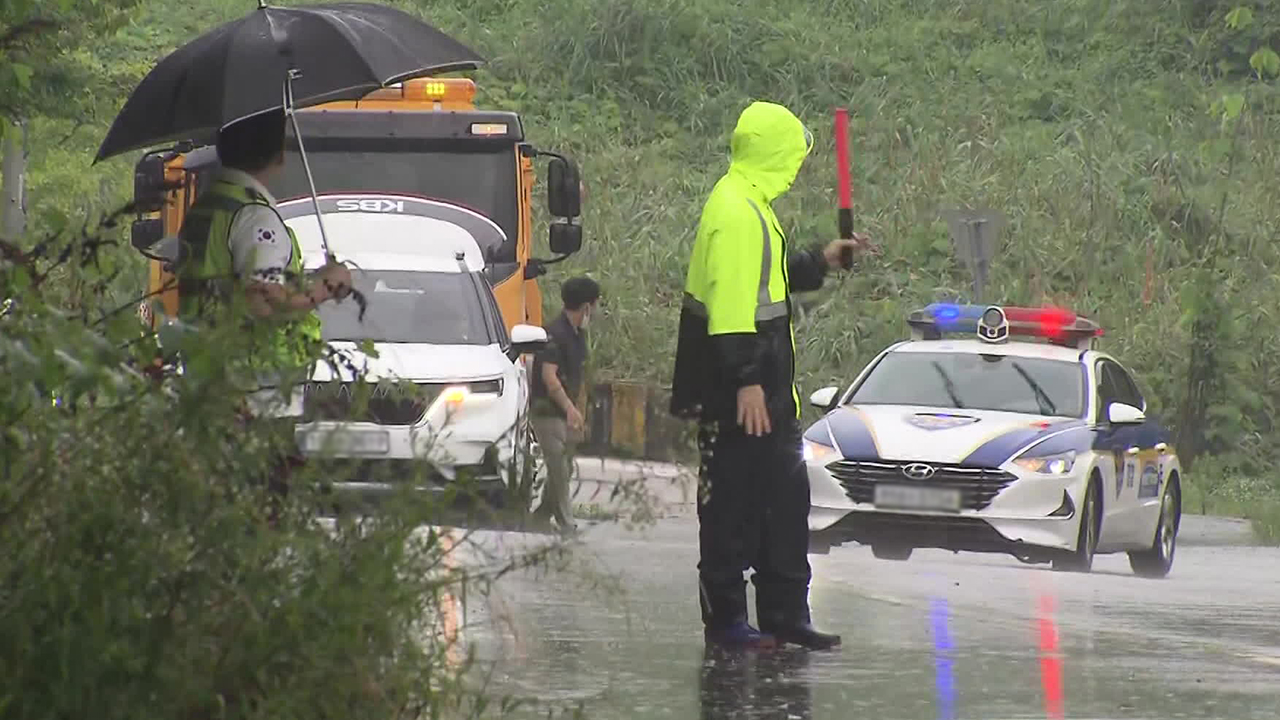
column 1006, row 509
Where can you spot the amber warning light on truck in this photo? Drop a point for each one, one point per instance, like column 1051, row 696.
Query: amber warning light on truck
column 443, row 90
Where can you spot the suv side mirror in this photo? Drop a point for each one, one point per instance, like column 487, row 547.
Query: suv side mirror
column 564, row 188
column 527, row 339
column 1122, row 414
column 824, row 398
column 565, row 238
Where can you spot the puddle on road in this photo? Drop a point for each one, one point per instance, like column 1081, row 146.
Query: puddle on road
column 931, row 656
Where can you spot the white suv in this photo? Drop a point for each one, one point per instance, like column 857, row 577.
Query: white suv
column 433, row 321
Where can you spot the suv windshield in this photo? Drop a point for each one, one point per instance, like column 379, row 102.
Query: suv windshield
column 977, row 382
column 411, row 307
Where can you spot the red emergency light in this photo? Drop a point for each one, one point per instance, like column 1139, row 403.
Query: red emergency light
column 1049, row 322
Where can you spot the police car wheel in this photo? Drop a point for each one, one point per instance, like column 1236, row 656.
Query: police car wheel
column 891, row 552
column 1158, row 560
column 1081, row 559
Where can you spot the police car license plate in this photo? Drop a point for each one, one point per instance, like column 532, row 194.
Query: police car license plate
column 908, row 497
column 343, row 442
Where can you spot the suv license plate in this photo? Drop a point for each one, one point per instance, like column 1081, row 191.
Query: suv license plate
column 343, row 442
column 917, row 498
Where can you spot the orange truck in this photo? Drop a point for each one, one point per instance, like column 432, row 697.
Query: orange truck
column 423, row 138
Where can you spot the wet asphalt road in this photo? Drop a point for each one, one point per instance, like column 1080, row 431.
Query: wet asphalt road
column 939, row 636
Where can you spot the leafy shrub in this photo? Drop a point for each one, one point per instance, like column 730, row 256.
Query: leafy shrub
column 140, row 573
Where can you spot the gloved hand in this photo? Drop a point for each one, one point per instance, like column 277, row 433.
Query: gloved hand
column 859, row 244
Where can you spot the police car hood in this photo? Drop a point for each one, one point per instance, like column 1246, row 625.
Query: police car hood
column 417, row 362
column 982, row 438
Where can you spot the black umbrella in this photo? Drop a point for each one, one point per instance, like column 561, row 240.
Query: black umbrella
column 338, row 51
column 278, row 58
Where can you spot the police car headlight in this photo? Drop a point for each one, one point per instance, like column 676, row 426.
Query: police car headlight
column 814, row 451
column 1056, row 464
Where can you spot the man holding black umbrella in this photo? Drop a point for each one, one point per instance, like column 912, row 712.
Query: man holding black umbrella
column 235, row 245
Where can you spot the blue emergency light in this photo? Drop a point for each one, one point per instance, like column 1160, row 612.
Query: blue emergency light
column 950, row 317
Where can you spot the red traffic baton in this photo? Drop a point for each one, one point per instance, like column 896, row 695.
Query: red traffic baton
column 844, row 216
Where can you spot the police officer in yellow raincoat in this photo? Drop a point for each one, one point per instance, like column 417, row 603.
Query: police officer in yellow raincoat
column 735, row 373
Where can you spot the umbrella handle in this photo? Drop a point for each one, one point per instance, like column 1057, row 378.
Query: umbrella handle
column 306, row 166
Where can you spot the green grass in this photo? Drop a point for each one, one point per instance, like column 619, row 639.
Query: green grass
column 1089, row 123
column 1216, row 488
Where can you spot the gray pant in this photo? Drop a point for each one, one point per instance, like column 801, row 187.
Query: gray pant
column 558, row 448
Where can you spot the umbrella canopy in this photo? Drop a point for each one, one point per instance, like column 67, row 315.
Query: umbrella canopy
column 338, row 51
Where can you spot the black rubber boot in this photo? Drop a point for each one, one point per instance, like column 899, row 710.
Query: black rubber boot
column 739, row 636
column 805, row 636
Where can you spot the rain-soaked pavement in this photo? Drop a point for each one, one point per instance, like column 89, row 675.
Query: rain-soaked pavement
column 939, row 636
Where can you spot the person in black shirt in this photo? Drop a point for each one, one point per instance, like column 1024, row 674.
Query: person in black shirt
column 557, row 382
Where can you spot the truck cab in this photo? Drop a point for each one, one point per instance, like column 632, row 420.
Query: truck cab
column 423, row 137
column 431, row 199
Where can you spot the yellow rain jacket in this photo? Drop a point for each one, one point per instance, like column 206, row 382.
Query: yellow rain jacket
column 735, row 325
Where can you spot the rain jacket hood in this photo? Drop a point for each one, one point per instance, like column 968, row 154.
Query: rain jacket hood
column 768, row 147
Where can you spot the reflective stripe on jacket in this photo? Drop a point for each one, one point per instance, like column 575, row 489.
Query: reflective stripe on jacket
column 206, row 272
column 735, row 325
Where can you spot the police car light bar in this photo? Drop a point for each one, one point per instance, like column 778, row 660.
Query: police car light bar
column 993, row 323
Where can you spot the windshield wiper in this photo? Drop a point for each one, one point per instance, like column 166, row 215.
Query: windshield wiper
column 1042, row 398
column 948, row 384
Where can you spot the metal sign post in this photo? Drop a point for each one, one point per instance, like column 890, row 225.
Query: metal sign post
column 975, row 236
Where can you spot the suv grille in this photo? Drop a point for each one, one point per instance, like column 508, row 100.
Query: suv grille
column 386, row 405
column 978, row 486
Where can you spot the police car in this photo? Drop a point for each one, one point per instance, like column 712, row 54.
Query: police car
column 995, row 429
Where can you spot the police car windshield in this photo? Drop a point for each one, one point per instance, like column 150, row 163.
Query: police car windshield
column 976, row 382
column 411, row 307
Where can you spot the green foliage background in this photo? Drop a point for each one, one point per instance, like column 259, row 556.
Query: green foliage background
column 1134, row 193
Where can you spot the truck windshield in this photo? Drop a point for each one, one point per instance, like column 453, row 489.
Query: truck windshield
column 479, row 176
column 411, row 307
column 977, row 382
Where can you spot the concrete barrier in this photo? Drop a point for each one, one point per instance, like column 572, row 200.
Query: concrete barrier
column 630, row 420
column 637, row 488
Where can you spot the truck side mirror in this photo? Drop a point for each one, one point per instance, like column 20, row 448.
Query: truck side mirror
column 565, row 238
column 145, row 233
column 564, row 188
column 148, row 184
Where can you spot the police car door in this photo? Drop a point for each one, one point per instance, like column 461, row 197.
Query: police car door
column 1139, row 520
column 1127, row 446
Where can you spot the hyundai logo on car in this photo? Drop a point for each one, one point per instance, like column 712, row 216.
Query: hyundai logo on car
column 918, row 471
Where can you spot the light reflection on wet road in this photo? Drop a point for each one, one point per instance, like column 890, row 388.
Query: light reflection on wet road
column 940, row 636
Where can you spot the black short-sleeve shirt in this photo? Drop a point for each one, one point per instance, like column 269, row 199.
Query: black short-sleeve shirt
column 567, row 350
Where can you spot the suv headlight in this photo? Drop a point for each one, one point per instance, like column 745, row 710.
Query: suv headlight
column 1056, row 464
